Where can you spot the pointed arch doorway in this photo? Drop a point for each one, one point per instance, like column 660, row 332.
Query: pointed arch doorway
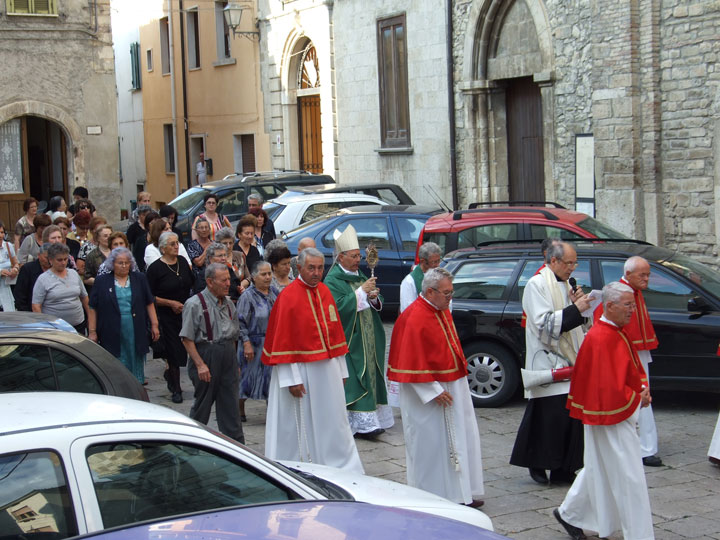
column 308, row 107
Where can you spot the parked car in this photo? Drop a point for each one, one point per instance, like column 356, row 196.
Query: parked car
column 41, row 359
column 77, row 463
column 233, row 191
column 393, row 229
column 485, row 223
column 302, row 520
column 390, row 193
column 11, row 321
column 683, row 300
column 290, row 211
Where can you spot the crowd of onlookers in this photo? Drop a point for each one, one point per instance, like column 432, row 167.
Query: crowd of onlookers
column 68, row 262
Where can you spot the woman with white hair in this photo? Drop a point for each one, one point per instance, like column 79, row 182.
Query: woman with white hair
column 171, row 280
column 128, row 309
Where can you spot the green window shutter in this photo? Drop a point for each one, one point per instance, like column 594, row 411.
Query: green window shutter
column 18, row 6
column 42, row 7
column 135, row 65
column 38, row 7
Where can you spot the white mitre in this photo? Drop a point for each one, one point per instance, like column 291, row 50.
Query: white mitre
column 346, row 240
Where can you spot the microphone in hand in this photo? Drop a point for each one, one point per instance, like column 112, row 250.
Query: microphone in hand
column 573, row 284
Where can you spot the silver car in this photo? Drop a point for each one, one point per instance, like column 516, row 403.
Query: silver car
column 78, row 463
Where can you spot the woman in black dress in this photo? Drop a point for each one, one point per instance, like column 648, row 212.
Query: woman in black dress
column 171, row 282
column 245, row 233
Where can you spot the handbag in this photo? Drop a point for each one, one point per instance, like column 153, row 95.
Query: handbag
column 10, row 280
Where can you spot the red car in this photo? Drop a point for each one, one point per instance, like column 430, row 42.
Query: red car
column 486, row 223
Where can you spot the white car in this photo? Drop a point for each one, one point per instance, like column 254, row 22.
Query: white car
column 78, row 463
column 292, row 210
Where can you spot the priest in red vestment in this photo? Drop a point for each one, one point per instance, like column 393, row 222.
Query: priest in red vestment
column 642, row 335
column 305, row 344
column 607, row 390
column 442, row 441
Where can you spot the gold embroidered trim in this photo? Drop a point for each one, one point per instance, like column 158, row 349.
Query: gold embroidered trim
column 603, row 413
column 323, row 339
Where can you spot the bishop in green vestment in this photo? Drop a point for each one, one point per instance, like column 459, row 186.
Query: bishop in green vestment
column 359, row 303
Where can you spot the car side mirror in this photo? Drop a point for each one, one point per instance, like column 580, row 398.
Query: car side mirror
column 698, row 303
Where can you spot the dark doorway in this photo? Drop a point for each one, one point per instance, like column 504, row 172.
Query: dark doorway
column 36, row 167
column 525, row 140
column 310, row 136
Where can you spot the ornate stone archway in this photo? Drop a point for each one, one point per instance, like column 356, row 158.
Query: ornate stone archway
column 64, row 120
column 505, row 40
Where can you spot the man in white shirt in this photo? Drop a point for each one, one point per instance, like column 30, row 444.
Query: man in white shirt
column 429, row 256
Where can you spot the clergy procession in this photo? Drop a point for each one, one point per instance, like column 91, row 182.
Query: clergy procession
column 588, row 423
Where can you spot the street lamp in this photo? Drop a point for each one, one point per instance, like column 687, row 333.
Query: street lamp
column 233, row 14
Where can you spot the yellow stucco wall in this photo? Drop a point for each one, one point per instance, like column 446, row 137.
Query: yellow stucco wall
column 223, row 100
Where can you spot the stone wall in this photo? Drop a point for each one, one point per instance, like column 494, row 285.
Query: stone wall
column 62, row 68
column 358, row 98
column 690, row 85
column 641, row 77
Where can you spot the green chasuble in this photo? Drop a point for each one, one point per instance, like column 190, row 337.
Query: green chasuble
column 365, row 387
column 417, row 275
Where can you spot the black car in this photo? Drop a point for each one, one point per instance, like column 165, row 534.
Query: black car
column 233, row 191
column 393, row 229
column 40, row 360
column 683, row 299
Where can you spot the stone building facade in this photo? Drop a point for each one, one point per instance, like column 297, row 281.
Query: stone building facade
column 607, row 107
column 639, row 77
column 57, row 104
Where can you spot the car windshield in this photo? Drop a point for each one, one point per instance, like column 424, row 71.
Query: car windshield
column 273, row 209
column 600, row 230
column 187, row 201
column 696, row 272
column 327, row 488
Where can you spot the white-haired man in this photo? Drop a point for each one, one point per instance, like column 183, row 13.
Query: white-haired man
column 359, row 304
column 429, row 256
column 305, row 344
column 642, row 335
column 608, row 388
column 442, row 441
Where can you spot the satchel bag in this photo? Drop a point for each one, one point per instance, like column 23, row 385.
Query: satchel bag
column 10, row 280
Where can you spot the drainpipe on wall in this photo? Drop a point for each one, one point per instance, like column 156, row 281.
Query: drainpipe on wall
column 172, row 95
column 451, row 105
column 184, row 97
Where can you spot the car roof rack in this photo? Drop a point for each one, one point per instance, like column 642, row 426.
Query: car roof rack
column 611, row 241
column 458, row 214
column 517, row 203
column 573, row 241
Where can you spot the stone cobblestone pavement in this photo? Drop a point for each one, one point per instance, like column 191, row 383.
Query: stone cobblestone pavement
column 684, row 494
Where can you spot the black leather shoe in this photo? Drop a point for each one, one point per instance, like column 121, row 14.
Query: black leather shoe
column 539, row 475
column 652, row 461
column 559, row 476
column 476, row 503
column 370, row 435
column 575, row 532
column 177, row 397
column 714, row 460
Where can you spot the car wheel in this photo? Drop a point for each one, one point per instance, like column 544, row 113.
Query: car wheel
column 493, row 375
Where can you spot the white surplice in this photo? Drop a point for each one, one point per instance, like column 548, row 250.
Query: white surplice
column 315, row 427
column 714, row 450
column 610, row 493
column 647, row 430
column 430, row 436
